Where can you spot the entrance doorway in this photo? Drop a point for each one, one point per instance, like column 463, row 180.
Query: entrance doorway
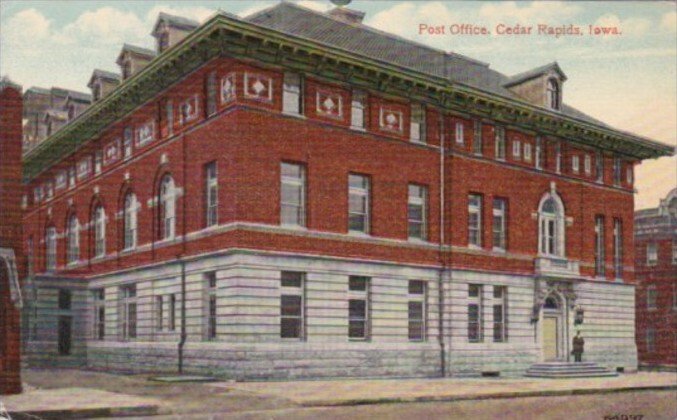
column 553, row 329
column 65, row 335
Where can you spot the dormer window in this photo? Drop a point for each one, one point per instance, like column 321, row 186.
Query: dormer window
column 553, row 94
column 163, row 41
column 126, row 69
column 96, row 91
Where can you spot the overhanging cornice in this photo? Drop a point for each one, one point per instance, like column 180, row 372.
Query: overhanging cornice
column 227, row 35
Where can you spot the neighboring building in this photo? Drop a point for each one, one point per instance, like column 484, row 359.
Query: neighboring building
column 295, row 194
column 11, row 237
column 48, row 110
column 656, row 274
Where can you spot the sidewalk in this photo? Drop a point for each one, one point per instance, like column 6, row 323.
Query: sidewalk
column 356, row 392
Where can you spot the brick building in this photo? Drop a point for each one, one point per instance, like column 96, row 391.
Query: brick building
column 656, row 276
column 295, row 194
column 11, row 236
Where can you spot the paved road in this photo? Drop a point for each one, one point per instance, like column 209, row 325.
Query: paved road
column 647, row 405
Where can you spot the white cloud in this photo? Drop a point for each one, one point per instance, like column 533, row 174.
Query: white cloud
column 532, row 13
column 629, row 27
column 669, row 21
column 25, row 28
column 255, row 8
column 320, row 6
column 105, row 26
column 199, row 14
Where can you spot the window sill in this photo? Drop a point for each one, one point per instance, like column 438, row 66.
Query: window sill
column 475, row 247
column 418, row 241
column 356, row 128
column 499, row 250
column 294, row 115
column 359, row 234
column 294, row 227
column 419, row 142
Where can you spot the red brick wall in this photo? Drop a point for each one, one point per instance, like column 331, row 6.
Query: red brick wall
column 249, row 138
column 10, row 235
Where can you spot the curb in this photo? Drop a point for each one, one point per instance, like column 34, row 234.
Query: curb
column 498, row 395
column 86, row 413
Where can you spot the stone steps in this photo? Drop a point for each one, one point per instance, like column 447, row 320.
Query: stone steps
column 568, row 370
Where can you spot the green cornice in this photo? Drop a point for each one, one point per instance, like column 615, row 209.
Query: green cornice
column 226, row 35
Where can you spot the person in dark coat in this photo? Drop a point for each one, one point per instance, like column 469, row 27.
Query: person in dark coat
column 579, row 343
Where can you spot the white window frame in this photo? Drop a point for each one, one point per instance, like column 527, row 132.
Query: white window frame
column 629, row 174
column 211, row 94
column 587, row 164
column 211, row 194
column 189, row 109
column 145, row 133
column 417, row 127
column 475, row 229
column 356, row 294
column 111, row 152
column 357, row 110
column 99, row 232
column 167, row 200
column 516, row 149
column 84, row 168
column 538, row 157
column 618, row 248
column 674, row 252
column 500, row 328
column 294, row 291
column 551, row 228
column 600, row 246
column 500, row 214
column 60, row 180
column 210, row 313
column 651, row 254
column 418, row 200
column 478, row 325
column 599, row 167
column 130, row 221
column 359, row 193
column 159, row 312
column 128, row 324
column 575, row 164
column 127, row 143
column 228, row 88
column 618, row 171
column 527, row 151
column 477, row 138
column 417, row 298
column 99, row 308
column 73, row 240
column 98, row 162
column 459, row 133
column 558, row 157
column 71, row 177
column 294, row 182
column 292, row 94
column 499, row 143
column 50, row 248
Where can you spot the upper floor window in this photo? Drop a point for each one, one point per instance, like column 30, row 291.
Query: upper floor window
column 617, row 171
column 477, row 137
column 73, row 240
column 358, row 203
column 651, row 297
column 587, row 163
column 99, row 231
column 551, row 226
column 527, row 152
column 292, row 95
column 96, row 91
column 98, row 161
column 554, row 95
column 475, row 220
column 618, row 248
column 417, row 209
column 50, row 248
column 516, row 149
column 599, row 167
column 211, row 94
column 629, row 176
column 499, row 224
column 127, row 143
column 539, row 153
column 129, row 221
column 558, row 157
column 189, row 109
column 167, row 200
column 292, row 194
column 459, row 133
column 600, row 251
column 71, row 177
column 126, row 69
column 651, row 253
column 417, row 126
column 169, row 115
column 575, row 164
column 211, row 194
column 357, row 110
column 500, row 143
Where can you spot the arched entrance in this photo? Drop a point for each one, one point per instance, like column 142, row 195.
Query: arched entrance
column 552, row 336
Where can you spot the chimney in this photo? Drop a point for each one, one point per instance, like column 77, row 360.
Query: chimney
column 347, row 15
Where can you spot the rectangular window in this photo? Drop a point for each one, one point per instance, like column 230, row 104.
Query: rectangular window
column 539, row 153
column 651, row 254
column 71, row 177
column 358, row 308
column 417, row 126
column 292, row 96
column 357, row 110
column 417, row 292
column 159, row 315
column 477, row 138
column 127, row 143
column 650, row 340
column 98, row 161
column 516, row 149
column 417, row 212
column 527, row 152
column 60, row 180
column 128, row 312
column 499, row 224
column 210, row 305
column 475, row 325
column 211, row 194
column 189, row 110
column 575, row 164
column 171, row 325
column 293, row 194
column 50, row 249
column 459, row 133
column 169, row 111
column 674, row 251
column 292, row 311
column 651, row 297
column 600, row 266
column 629, row 176
column 618, row 248
column 587, row 163
column 99, row 297
column 499, row 143
column 599, row 167
column 558, row 157
column 617, row 171
column 500, row 312
column 358, row 203
column 84, row 168
column 212, row 91
column 475, row 220
column 65, row 298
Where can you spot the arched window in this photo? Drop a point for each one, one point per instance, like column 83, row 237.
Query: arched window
column 129, row 221
column 50, row 248
column 551, row 239
column 551, row 303
column 553, row 94
column 167, row 208
column 99, row 219
column 73, row 240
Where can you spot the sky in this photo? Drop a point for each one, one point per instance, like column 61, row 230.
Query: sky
column 628, row 80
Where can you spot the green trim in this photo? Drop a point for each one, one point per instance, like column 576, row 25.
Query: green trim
column 226, row 35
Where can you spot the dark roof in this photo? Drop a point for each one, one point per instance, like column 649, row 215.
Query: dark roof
column 360, row 39
column 37, row 90
column 103, row 74
column 136, row 50
column 80, row 97
column 175, row 22
column 533, row 73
